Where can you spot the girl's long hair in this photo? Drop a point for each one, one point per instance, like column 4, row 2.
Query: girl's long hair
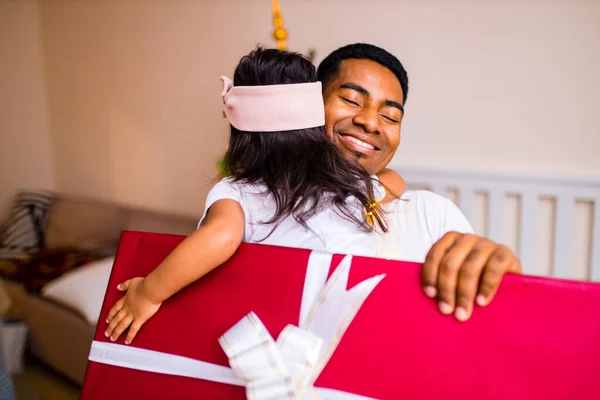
column 302, row 169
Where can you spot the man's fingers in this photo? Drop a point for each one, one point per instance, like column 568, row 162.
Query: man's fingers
column 133, row 330
column 124, row 324
column 469, row 277
column 463, row 269
column 449, row 269
column 500, row 262
column 515, row 266
column 430, row 270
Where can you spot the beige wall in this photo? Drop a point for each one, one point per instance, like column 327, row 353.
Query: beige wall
column 26, row 157
column 496, row 85
column 134, row 90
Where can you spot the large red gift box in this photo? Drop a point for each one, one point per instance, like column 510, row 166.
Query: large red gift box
column 538, row 339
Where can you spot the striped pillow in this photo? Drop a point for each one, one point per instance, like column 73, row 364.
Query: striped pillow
column 22, row 233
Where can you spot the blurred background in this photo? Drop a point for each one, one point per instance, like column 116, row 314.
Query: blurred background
column 111, row 110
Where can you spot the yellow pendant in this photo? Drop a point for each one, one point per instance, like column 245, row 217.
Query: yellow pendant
column 370, row 213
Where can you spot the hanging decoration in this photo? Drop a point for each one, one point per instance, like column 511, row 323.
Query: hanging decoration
column 279, row 33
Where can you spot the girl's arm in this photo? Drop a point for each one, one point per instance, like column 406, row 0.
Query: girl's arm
column 394, row 184
column 208, row 247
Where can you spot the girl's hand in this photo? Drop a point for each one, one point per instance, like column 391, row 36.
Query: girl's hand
column 133, row 310
column 394, row 184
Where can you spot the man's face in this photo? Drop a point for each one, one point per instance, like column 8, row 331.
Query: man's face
column 363, row 113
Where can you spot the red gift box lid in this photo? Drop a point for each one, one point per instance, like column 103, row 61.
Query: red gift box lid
column 538, row 339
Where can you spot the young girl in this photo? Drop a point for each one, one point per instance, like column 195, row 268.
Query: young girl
column 288, row 185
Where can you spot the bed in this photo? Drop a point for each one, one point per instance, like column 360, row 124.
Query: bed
column 552, row 224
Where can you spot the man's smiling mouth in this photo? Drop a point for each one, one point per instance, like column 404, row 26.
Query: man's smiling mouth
column 358, row 145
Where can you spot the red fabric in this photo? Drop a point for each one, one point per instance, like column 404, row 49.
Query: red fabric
column 538, row 339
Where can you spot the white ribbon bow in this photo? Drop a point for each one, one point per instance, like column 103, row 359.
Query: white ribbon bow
column 288, row 368
column 269, row 369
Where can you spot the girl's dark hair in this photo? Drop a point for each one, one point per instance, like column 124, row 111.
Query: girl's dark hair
column 302, row 169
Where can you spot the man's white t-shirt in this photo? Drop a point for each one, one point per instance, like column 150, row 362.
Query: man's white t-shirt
column 415, row 222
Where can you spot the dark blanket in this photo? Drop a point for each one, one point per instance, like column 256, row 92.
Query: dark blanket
column 37, row 270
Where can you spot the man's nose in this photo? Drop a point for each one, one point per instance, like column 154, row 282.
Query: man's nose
column 368, row 119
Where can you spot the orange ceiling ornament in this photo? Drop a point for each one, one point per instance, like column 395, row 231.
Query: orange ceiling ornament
column 279, row 32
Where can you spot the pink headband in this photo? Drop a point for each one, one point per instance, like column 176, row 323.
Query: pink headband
column 273, row 107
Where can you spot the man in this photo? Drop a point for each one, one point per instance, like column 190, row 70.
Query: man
column 365, row 90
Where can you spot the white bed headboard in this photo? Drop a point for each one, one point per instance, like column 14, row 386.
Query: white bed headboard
column 552, row 224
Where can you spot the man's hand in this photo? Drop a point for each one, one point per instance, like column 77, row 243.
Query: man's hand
column 135, row 308
column 461, row 269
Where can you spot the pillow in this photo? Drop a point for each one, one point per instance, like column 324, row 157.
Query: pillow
column 82, row 289
column 22, row 232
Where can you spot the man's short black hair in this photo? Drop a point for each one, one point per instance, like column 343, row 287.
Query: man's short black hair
column 330, row 66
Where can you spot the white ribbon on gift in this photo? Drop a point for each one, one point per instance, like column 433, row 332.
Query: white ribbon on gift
column 269, row 369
